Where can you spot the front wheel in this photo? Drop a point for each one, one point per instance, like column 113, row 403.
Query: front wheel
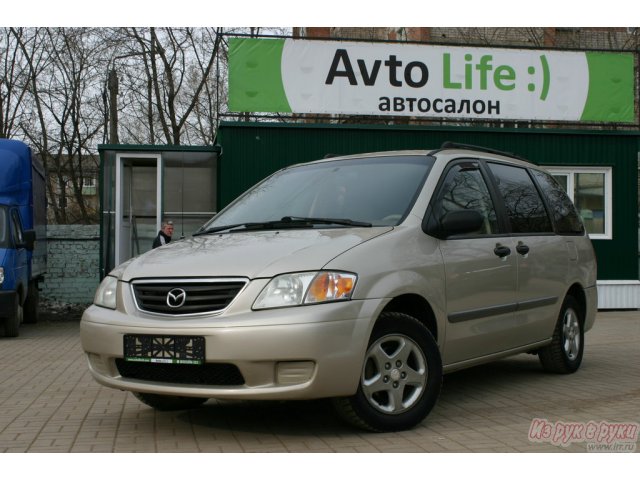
column 31, row 304
column 169, row 402
column 564, row 353
column 401, row 377
column 12, row 323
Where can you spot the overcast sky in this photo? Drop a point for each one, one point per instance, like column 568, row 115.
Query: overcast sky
column 493, row 13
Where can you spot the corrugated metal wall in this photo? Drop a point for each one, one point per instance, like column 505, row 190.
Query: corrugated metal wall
column 252, row 151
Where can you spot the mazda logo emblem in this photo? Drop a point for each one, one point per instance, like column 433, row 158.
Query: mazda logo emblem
column 176, row 298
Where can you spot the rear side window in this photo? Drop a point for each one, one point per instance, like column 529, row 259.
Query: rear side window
column 525, row 207
column 565, row 217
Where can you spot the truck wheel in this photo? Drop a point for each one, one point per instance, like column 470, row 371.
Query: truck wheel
column 31, row 304
column 564, row 353
column 169, row 402
column 401, row 377
column 12, row 324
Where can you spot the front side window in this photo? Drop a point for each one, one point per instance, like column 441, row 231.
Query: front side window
column 464, row 188
column 16, row 227
column 590, row 191
column 524, row 205
column 4, row 231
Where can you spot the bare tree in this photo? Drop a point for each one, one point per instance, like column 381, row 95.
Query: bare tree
column 19, row 47
column 176, row 66
column 13, row 83
column 68, row 116
column 65, row 90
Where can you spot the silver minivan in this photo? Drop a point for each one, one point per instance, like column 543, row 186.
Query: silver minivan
column 362, row 278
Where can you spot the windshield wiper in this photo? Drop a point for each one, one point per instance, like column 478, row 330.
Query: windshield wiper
column 327, row 221
column 237, row 227
column 221, row 228
column 283, row 223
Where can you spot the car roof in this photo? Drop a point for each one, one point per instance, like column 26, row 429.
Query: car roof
column 453, row 153
column 447, row 152
column 389, row 153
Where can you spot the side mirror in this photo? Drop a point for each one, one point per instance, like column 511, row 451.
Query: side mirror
column 29, row 237
column 460, row 222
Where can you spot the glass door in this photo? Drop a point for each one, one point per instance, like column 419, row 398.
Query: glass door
column 138, row 204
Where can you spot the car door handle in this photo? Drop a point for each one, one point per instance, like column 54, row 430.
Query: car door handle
column 502, row 251
column 522, row 249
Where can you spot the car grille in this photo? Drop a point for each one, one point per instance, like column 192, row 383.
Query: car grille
column 220, row 374
column 173, row 297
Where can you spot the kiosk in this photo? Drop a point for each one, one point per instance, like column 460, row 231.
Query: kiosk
column 143, row 185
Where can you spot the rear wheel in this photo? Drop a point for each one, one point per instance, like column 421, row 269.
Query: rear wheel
column 169, row 402
column 564, row 353
column 401, row 377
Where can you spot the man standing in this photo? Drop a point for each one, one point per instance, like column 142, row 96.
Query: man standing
column 164, row 235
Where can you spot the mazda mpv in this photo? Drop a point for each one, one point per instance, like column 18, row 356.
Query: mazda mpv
column 361, row 278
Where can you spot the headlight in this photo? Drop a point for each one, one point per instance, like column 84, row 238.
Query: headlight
column 306, row 288
column 1, row 275
column 106, row 293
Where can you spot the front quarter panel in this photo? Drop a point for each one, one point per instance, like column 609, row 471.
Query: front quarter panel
column 405, row 261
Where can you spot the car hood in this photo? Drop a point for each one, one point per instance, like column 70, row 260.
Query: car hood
column 248, row 254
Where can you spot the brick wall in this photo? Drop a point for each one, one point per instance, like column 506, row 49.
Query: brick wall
column 72, row 263
column 605, row 38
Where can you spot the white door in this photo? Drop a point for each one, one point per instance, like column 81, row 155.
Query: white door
column 138, row 203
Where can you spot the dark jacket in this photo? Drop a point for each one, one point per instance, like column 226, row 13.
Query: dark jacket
column 158, row 241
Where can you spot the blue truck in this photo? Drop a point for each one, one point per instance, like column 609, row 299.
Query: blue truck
column 23, row 223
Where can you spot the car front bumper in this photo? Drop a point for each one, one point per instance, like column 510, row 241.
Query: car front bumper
column 302, row 352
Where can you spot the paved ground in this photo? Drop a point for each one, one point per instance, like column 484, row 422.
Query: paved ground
column 50, row 403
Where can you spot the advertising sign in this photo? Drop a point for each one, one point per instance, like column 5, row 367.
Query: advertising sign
column 358, row 78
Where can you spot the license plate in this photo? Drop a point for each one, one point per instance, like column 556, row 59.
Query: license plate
column 174, row 349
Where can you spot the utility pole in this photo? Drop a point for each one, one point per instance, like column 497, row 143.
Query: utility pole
column 113, row 107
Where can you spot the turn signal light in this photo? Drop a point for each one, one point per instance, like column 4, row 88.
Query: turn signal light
column 329, row 286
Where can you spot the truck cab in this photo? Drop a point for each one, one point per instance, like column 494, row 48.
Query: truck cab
column 22, row 235
column 15, row 248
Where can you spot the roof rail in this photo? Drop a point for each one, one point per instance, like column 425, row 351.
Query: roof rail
column 463, row 146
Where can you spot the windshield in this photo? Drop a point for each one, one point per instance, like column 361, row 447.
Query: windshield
column 378, row 191
column 4, row 232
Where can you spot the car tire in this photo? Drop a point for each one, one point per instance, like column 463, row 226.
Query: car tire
column 564, row 353
column 169, row 402
column 31, row 304
column 12, row 323
column 401, row 377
